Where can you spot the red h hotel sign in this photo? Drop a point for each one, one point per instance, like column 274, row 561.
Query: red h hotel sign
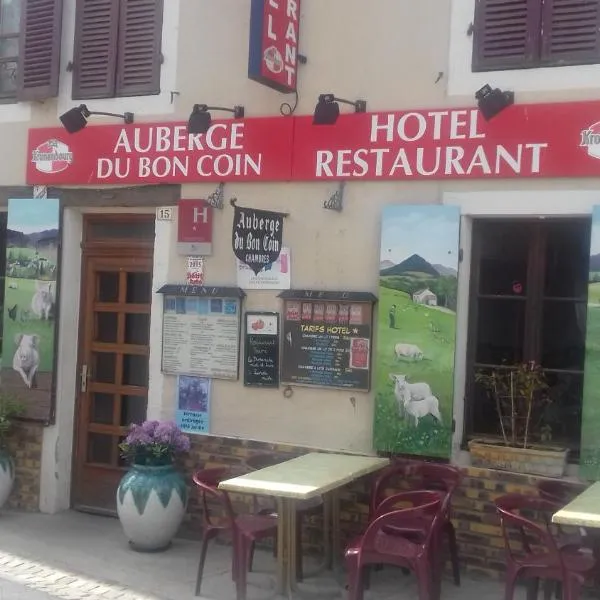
column 273, row 54
column 194, row 228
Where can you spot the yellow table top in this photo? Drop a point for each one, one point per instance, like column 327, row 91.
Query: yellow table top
column 305, row 477
column 584, row 511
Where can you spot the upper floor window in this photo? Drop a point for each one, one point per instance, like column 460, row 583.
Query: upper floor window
column 117, row 50
column 520, row 34
column 10, row 17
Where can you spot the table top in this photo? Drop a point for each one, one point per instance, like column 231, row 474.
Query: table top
column 305, row 477
column 584, row 511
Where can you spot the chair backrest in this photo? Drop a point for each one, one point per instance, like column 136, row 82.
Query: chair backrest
column 424, row 506
column 535, row 539
column 207, row 481
column 558, row 491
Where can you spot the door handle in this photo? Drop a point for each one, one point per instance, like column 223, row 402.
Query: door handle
column 85, row 374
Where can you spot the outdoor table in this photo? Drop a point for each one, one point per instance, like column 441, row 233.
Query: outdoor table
column 583, row 511
column 302, row 478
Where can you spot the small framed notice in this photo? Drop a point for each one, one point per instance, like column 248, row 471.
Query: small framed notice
column 261, row 349
column 201, row 331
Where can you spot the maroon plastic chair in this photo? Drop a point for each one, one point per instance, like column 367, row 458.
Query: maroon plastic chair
column 538, row 555
column 245, row 530
column 424, row 476
column 559, row 491
column 378, row 546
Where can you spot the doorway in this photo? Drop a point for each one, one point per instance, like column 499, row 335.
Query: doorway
column 114, row 332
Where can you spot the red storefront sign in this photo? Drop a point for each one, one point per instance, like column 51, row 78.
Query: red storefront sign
column 538, row 140
column 253, row 149
column 273, row 52
column 194, row 227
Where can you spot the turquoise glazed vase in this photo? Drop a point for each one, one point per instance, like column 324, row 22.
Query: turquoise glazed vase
column 7, row 475
column 151, row 503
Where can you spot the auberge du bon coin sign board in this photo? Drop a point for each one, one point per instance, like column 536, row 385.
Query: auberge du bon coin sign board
column 537, row 140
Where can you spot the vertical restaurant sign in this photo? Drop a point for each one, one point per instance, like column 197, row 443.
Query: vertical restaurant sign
column 273, row 52
column 30, row 301
column 194, row 228
column 257, row 237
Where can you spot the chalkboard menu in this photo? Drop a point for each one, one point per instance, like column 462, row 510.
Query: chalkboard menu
column 327, row 339
column 261, row 349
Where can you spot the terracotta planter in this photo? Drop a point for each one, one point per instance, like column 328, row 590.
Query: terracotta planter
column 540, row 460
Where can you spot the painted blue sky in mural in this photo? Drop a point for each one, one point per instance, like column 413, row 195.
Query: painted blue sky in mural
column 431, row 231
column 32, row 215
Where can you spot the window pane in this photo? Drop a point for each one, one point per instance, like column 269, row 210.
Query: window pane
column 105, row 370
column 133, row 409
column 563, row 335
column 106, row 327
column 567, row 259
column 8, row 78
column 107, row 286
column 504, row 255
column 100, row 448
column 137, row 328
column 10, row 16
column 124, row 229
column 139, row 288
column 102, row 408
column 500, row 331
column 135, row 370
column 562, row 416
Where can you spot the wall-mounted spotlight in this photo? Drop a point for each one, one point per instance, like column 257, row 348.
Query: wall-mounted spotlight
column 76, row 118
column 216, row 198
column 327, row 110
column 200, row 119
column 493, row 101
column 336, row 200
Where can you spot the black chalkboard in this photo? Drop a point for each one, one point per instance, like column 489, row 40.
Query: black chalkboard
column 261, row 349
column 327, row 344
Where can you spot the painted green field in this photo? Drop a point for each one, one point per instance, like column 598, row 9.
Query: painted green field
column 433, row 331
column 25, row 322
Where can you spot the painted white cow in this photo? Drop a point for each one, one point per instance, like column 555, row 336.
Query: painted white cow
column 408, row 351
column 26, row 359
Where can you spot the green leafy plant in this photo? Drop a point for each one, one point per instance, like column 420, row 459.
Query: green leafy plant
column 11, row 407
column 520, row 395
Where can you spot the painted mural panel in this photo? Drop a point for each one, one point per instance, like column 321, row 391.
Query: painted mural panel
column 416, row 330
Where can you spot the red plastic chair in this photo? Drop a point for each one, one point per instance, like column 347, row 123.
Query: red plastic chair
column 559, row 491
column 538, row 556
column 378, row 546
column 245, row 530
column 424, row 476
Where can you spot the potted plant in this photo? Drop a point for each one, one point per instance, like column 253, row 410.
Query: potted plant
column 152, row 496
column 520, row 396
column 10, row 408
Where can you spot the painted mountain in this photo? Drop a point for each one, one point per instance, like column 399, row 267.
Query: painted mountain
column 24, row 240
column 413, row 264
column 445, row 271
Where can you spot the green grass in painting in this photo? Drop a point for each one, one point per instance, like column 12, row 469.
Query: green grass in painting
column 25, row 322
column 433, row 331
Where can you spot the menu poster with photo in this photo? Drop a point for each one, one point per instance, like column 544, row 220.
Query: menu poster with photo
column 261, row 349
column 327, row 343
column 274, row 276
column 201, row 336
column 193, row 404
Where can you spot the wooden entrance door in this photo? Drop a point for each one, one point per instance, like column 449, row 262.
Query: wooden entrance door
column 113, row 364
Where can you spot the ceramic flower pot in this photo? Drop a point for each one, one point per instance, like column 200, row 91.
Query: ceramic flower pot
column 7, row 476
column 151, row 503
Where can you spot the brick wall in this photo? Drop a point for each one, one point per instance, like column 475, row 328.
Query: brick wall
column 477, row 527
column 25, row 446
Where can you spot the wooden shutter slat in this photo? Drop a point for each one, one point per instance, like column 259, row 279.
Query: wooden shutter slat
column 95, row 49
column 506, row 34
column 140, row 37
column 39, row 50
column 570, row 32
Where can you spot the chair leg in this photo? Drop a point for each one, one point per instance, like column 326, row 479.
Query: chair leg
column 533, row 588
column 242, row 562
column 509, row 590
column 299, row 572
column 203, row 552
column 250, row 557
column 355, row 584
column 549, row 588
column 572, row 588
column 367, row 577
column 453, row 547
column 425, row 581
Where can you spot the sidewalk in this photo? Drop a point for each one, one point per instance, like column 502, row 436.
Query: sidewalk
column 73, row 555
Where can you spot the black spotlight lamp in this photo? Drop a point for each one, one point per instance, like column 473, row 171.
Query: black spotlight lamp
column 327, row 110
column 200, row 119
column 493, row 101
column 76, row 118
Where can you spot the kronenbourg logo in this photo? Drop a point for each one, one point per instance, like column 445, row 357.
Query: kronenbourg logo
column 590, row 138
column 52, row 156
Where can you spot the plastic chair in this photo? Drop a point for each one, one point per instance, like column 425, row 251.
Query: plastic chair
column 539, row 556
column 559, row 491
column 424, row 476
column 244, row 529
column 378, row 546
column 304, row 508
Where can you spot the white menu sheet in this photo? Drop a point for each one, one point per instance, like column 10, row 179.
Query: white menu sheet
column 201, row 336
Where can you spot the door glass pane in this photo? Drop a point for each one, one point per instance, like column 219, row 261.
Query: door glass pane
column 133, row 409
column 135, row 370
column 137, row 329
column 562, row 416
column 563, row 335
column 100, row 448
column 567, row 258
column 500, row 331
column 139, row 288
column 123, row 228
column 104, row 370
column 106, row 327
column 102, row 408
column 107, row 286
column 504, row 256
